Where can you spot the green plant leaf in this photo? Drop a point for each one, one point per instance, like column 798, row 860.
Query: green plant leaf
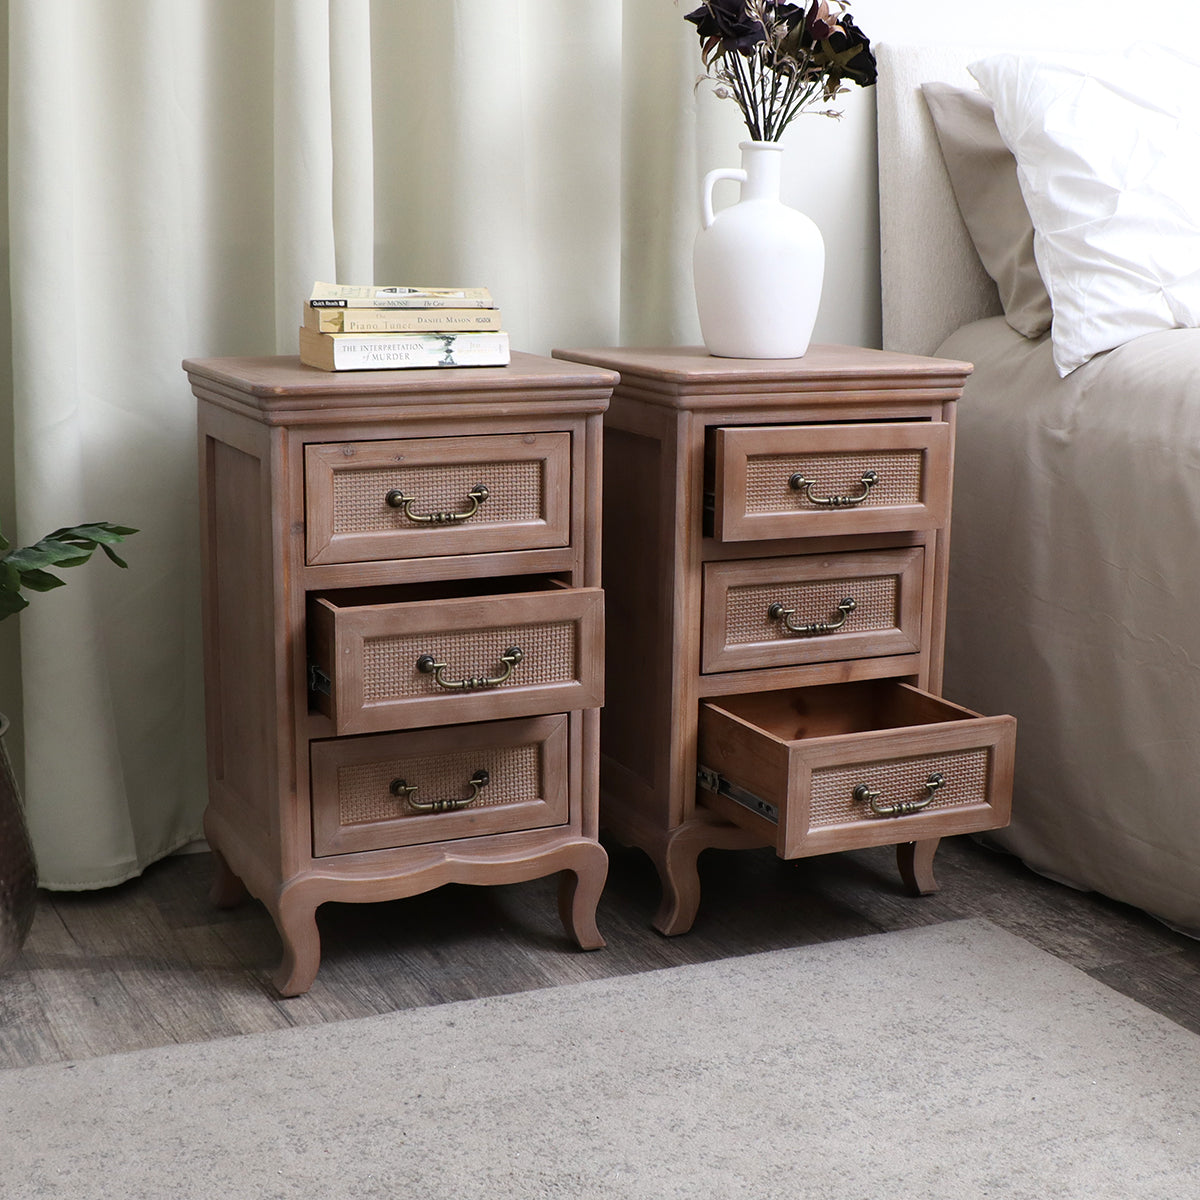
column 47, row 553
column 103, row 532
column 70, row 546
column 41, row 581
column 11, row 602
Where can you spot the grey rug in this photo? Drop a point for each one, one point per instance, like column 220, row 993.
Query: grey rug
column 954, row 1061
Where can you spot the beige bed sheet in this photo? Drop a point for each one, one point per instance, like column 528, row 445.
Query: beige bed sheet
column 1075, row 603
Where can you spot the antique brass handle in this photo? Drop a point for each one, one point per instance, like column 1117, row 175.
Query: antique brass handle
column 868, row 479
column 477, row 782
column 429, row 666
column 846, row 607
column 864, row 795
column 397, row 499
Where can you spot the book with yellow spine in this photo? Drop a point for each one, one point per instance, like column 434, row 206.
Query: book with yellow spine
column 400, row 320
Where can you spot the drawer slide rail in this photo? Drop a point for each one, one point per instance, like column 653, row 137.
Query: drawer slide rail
column 714, row 781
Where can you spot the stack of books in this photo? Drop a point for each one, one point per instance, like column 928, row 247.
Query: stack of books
column 352, row 327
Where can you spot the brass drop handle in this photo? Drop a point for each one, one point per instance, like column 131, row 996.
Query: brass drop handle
column 476, row 783
column 845, row 607
column 868, row 479
column 428, row 665
column 397, row 499
column 864, row 795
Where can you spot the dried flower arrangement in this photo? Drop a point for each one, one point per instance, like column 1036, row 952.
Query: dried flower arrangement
column 776, row 60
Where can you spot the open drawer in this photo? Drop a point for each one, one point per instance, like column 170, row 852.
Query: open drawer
column 383, row 659
column 820, row 769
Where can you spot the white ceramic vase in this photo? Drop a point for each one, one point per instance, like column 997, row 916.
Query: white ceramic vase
column 758, row 265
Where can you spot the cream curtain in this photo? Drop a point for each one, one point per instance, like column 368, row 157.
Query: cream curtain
column 180, row 171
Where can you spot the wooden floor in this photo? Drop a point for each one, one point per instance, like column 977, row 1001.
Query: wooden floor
column 151, row 962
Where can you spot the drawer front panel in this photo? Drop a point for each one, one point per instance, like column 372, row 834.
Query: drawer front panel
column 421, row 497
column 810, row 480
column 837, row 797
column 410, row 789
column 789, row 611
column 548, row 657
column 400, row 666
column 850, row 765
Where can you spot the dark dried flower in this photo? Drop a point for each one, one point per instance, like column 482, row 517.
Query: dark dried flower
column 819, row 24
column 728, row 23
column 846, row 54
column 776, row 59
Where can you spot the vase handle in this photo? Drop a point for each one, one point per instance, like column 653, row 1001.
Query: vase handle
column 706, row 192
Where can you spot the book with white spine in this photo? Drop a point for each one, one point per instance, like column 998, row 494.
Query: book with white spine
column 393, row 351
column 347, row 295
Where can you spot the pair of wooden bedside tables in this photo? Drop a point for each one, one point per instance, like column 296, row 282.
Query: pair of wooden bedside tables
column 405, row 629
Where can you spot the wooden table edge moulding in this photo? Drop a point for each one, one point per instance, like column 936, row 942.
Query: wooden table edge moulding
column 318, row 573
column 734, row 719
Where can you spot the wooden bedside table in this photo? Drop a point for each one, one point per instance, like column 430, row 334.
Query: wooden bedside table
column 775, row 541
column 403, row 634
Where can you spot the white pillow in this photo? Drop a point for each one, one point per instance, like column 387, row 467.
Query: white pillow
column 1108, row 159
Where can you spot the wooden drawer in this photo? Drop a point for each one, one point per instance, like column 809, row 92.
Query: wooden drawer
column 780, row 612
column 418, row 498
column 821, row 769
column 432, row 785
column 785, row 481
column 378, row 663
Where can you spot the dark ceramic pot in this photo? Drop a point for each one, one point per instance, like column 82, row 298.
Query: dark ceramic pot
column 18, row 869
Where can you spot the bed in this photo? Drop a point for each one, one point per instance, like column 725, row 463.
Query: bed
column 1075, row 566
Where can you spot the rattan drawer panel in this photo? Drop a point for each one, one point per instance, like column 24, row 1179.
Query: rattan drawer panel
column 758, row 472
column 833, row 800
column 348, row 517
column 362, row 797
column 753, row 609
column 828, row 768
column 380, row 662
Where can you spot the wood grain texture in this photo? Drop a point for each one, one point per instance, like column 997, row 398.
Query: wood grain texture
column 670, row 373
column 305, row 566
column 700, row 510
column 564, row 676
column 527, row 786
column 891, row 626
column 152, row 963
column 746, row 456
column 342, row 478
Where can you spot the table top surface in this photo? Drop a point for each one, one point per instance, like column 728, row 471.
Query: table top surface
column 693, row 364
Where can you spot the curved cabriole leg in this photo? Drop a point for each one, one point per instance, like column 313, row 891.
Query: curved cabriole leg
column 680, row 877
column 915, row 862
column 227, row 891
column 296, row 920
column 678, row 870
column 579, row 889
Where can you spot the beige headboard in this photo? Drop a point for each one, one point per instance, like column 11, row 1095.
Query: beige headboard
column 932, row 279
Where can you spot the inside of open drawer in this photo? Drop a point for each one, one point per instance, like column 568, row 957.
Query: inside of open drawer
column 449, row 589
column 839, row 708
